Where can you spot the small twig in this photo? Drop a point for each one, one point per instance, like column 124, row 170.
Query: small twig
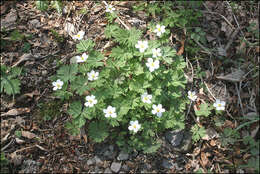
column 239, row 99
column 188, row 110
column 192, row 72
column 209, row 90
column 204, row 48
column 231, row 39
column 6, row 146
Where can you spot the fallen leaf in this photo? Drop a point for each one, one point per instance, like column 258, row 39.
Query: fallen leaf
column 9, row 20
column 210, row 134
column 181, row 50
column 212, row 143
column 19, row 141
column 18, row 111
column 28, row 134
column 235, row 76
column 204, row 159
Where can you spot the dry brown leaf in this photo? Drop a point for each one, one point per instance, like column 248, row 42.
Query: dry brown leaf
column 181, row 50
column 28, row 134
column 18, row 111
column 212, row 143
column 19, row 141
column 235, row 76
column 204, row 159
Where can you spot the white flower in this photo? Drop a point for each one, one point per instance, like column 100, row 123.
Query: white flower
column 93, row 75
column 57, row 85
column 146, row 98
column 110, row 8
column 152, row 65
column 91, row 101
column 134, row 126
column 159, row 29
column 158, row 110
column 110, row 112
column 79, row 36
column 156, row 52
column 192, row 95
column 219, row 105
column 82, row 58
column 142, row 45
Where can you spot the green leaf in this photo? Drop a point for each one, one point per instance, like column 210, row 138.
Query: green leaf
column 16, row 36
column 152, row 148
column 88, row 113
column 98, row 131
column 75, row 109
column 42, row 4
column 79, row 85
column 68, row 72
column 85, row 46
column 204, row 110
column 57, row 5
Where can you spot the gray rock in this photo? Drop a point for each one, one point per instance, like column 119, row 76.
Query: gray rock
column 168, row 164
column 98, row 170
column 174, row 137
column 107, row 170
column 125, row 168
column 98, row 160
column 115, row 167
column 91, row 161
column 123, row 156
column 186, row 143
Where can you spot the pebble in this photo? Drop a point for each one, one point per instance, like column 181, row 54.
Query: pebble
column 186, row 143
column 91, row 162
column 115, row 167
column 122, row 156
column 107, row 170
column 98, row 160
column 125, row 168
column 167, row 164
column 174, row 137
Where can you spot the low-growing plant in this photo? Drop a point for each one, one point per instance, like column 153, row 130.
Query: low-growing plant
column 197, row 132
column 130, row 96
column 10, row 84
column 43, row 5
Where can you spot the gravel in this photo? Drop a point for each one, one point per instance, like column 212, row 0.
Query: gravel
column 174, row 137
column 115, row 167
column 123, row 156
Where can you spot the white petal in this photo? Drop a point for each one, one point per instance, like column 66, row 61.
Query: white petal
column 223, row 103
column 130, row 127
column 159, row 114
column 154, row 111
column 113, row 115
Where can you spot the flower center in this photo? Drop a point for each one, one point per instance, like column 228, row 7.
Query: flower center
column 110, row 112
column 90, row 101
column 145, row 98
column 152, row 64
column 142, row 46
column 219, row 105
column 158, row 110
column 82, row 58
column 134, row 126
column 93, row 75
column 159, row 29
column 78, row 35
column 58, row 85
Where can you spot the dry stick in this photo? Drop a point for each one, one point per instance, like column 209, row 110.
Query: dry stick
column 239, row 99
column 209, row 90
column 231, row 39
column 6, row 146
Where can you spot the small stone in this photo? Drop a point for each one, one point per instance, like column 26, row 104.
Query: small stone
column 98, row 160
column 125, row 168
column 174, row 137
column 115, row 167
column 123, row 156
column 35, row 23
column 44, row 72
column 186, row 143
column 98, row 170
column 91, row 162
column 167, row 164
column 107, row 170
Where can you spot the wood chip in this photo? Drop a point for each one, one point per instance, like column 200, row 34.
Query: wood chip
column 28, row 134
